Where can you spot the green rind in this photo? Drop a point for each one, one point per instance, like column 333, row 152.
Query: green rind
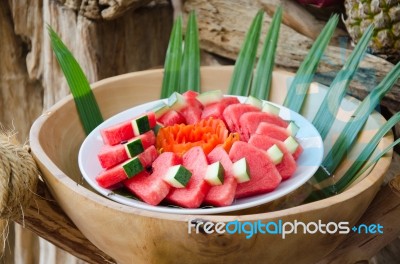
column 132, row 167
column 141, row 125
column 134, row 147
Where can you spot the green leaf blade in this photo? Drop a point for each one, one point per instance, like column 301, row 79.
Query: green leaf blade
column 263, row 76
column 173, row 61
column 326, row 114
column 305, row 74
column 347, row 137
column 85, row 101
column 190, row 72
column 242, row 72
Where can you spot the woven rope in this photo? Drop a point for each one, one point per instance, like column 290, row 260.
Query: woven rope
column 18, row 177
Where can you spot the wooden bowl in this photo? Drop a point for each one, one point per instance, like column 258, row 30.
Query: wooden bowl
column 131, row 235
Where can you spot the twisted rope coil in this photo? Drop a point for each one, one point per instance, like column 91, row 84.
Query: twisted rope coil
column 18, row 177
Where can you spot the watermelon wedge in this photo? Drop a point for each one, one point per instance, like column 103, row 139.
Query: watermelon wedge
column 116, row 174
column 171, row 118
column 288, row 165
column 272, row 130
column 232, row 114
column 193, row 195
column 192, row 114
column 249, row 122
column 151, row 188
column 110, row 156
column 224, row 194
column 190, row 97
column 264, row 177
column 124, row 131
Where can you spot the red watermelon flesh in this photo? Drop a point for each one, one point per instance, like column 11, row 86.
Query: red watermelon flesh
column 232, row 114
column 152, row 188
column 264, row 177
column 228, row 100
column 110, row 156
column 288, row 165
column 193, row 194
column 171, row 118
column 214, row 110
column 250, row 121
column 222, row 195
column 123, row 131
column 298, row 152
column 271, row 130
column 191, row 100
column 116, row 174
column 192, row 114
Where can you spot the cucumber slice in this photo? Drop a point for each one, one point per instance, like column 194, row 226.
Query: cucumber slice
column 134, row 147
column 176, row 101
column 157, row 127
column 215, row 174
column 241, row 170
column 141, row 125
column 293, row 128
column 132, row 167
column 251, row 100
column 275, row 154
column 270, row 108
column 178, row 176
column 210, row 97
column 159, row 110
column 291, row 144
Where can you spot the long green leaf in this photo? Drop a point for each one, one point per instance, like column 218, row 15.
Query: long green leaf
column 351, row 174
column 190, row 72
column 261, row 85
column 173, row 61
column 305, row 74
column 242, row 73
column 326, row 114
column 85, row 101
column 347, row 137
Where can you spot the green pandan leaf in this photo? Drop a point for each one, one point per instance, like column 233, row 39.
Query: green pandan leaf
column 85, row 101
column 190, row 72
column 243, row 71
column 263, row 76
column 326, row 114
column 173, row 61
column 305, row 74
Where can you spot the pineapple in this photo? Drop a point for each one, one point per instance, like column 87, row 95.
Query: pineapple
column 386, row 18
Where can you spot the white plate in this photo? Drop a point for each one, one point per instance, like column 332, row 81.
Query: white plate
column 308, row 163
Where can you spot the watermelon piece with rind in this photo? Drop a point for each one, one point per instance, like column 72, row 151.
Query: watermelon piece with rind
column 110, row 156
column 193, row 195
column 287, row 166
column 222, row 195
column 190, row 97
column 171, row 118
column 264, row 177
column 272, row 130
column 152, row 188
column 117, row 174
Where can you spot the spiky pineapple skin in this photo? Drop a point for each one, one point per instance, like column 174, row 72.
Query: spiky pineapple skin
column 385, row 15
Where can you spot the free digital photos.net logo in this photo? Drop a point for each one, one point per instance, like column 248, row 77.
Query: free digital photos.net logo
column 280, row 228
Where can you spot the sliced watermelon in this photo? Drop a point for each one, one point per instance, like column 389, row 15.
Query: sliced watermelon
column 228, row 100
column 193, row 195
column 250, row 121
column 288, row 165
column 190, row 97
column 110, row 156
column 222, row 195
column 272, row 130
column 232, row 114
column 192, row 114
column 124, row 131
column 214, row 110
column 116, row 174
column 151, row 188
column 171, row 118
column 264, row 177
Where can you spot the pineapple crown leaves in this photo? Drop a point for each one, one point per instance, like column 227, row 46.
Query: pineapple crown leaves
column 85, row 101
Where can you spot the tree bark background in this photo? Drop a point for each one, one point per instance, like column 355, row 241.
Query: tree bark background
column 111, row 37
